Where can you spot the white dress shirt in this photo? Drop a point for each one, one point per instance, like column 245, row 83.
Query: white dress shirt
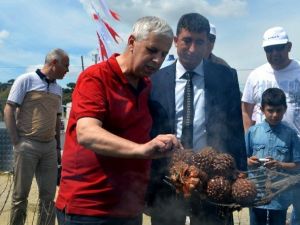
column 199, row 135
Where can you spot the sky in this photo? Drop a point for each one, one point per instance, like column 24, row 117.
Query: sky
column 31, row 28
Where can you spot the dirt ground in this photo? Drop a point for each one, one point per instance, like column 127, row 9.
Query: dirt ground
column 240, row 217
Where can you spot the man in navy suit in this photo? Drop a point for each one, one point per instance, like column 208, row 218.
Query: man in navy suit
column 217, row 120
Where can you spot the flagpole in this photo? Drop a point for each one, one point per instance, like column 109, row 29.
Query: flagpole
column 82, row 65
column 96, row 58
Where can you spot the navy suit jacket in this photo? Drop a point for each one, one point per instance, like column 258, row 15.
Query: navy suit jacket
column 223, row 116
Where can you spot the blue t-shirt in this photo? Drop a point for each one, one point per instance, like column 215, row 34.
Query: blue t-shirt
column 279, row 142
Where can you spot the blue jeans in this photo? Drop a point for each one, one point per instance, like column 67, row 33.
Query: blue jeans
column 295, row 217
column 71, row 219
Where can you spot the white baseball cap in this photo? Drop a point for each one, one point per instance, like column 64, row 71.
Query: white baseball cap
column 213, row 30
column 275, row 36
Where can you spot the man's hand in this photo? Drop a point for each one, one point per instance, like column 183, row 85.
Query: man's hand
column 253, row 161
column 10, row 122
column 160, row 146
column 273, row 164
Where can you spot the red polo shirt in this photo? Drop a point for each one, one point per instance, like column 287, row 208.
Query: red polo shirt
column 97, row 185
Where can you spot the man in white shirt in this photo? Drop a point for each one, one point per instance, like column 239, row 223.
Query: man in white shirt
column 32, row 117
column 282, row 72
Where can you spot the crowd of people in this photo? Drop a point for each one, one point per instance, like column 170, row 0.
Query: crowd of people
column 128, row 116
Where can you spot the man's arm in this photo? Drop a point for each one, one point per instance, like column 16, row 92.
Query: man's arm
column 91, row 135
column 10, row 122
column 247, row 111
column 274, row 164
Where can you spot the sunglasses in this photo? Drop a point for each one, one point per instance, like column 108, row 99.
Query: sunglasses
column 277, row 48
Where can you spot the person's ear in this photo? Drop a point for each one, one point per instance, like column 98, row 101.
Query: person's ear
column 175, row 41
column 130, row 42
column 54, row 61
column 289, row 46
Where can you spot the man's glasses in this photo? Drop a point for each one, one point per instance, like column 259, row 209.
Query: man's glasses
column 277, row 48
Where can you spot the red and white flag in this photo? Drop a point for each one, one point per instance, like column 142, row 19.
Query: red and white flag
column 102, row 49
column 102, row 22
column 106, row 34
column 112, row 32
column 96, row 17
column 108, row 12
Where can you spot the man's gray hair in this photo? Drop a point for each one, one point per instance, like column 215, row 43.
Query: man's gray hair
column 148, row 24
column 57, row 54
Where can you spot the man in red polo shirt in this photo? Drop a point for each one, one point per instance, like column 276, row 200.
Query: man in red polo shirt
column 108, row 150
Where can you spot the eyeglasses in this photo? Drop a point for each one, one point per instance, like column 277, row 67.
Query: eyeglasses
column 277, row 48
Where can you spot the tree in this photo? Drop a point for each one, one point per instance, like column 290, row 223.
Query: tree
column 71, row 86
column 67, row 93
column 4, row 91
column 11, row 81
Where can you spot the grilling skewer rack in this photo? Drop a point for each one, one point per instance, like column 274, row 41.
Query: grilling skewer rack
column 269, row 184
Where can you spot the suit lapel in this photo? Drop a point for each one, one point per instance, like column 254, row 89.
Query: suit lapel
column 170, row 95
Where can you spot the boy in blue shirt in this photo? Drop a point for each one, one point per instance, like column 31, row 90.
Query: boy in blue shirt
column 279, row 145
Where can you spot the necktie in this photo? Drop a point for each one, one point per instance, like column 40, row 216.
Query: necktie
column 188, row 112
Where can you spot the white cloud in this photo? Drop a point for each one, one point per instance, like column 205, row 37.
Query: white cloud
column 174, row 9
column 131, row 10
column 3, row 35
column 31, row 68
column 226, row 8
